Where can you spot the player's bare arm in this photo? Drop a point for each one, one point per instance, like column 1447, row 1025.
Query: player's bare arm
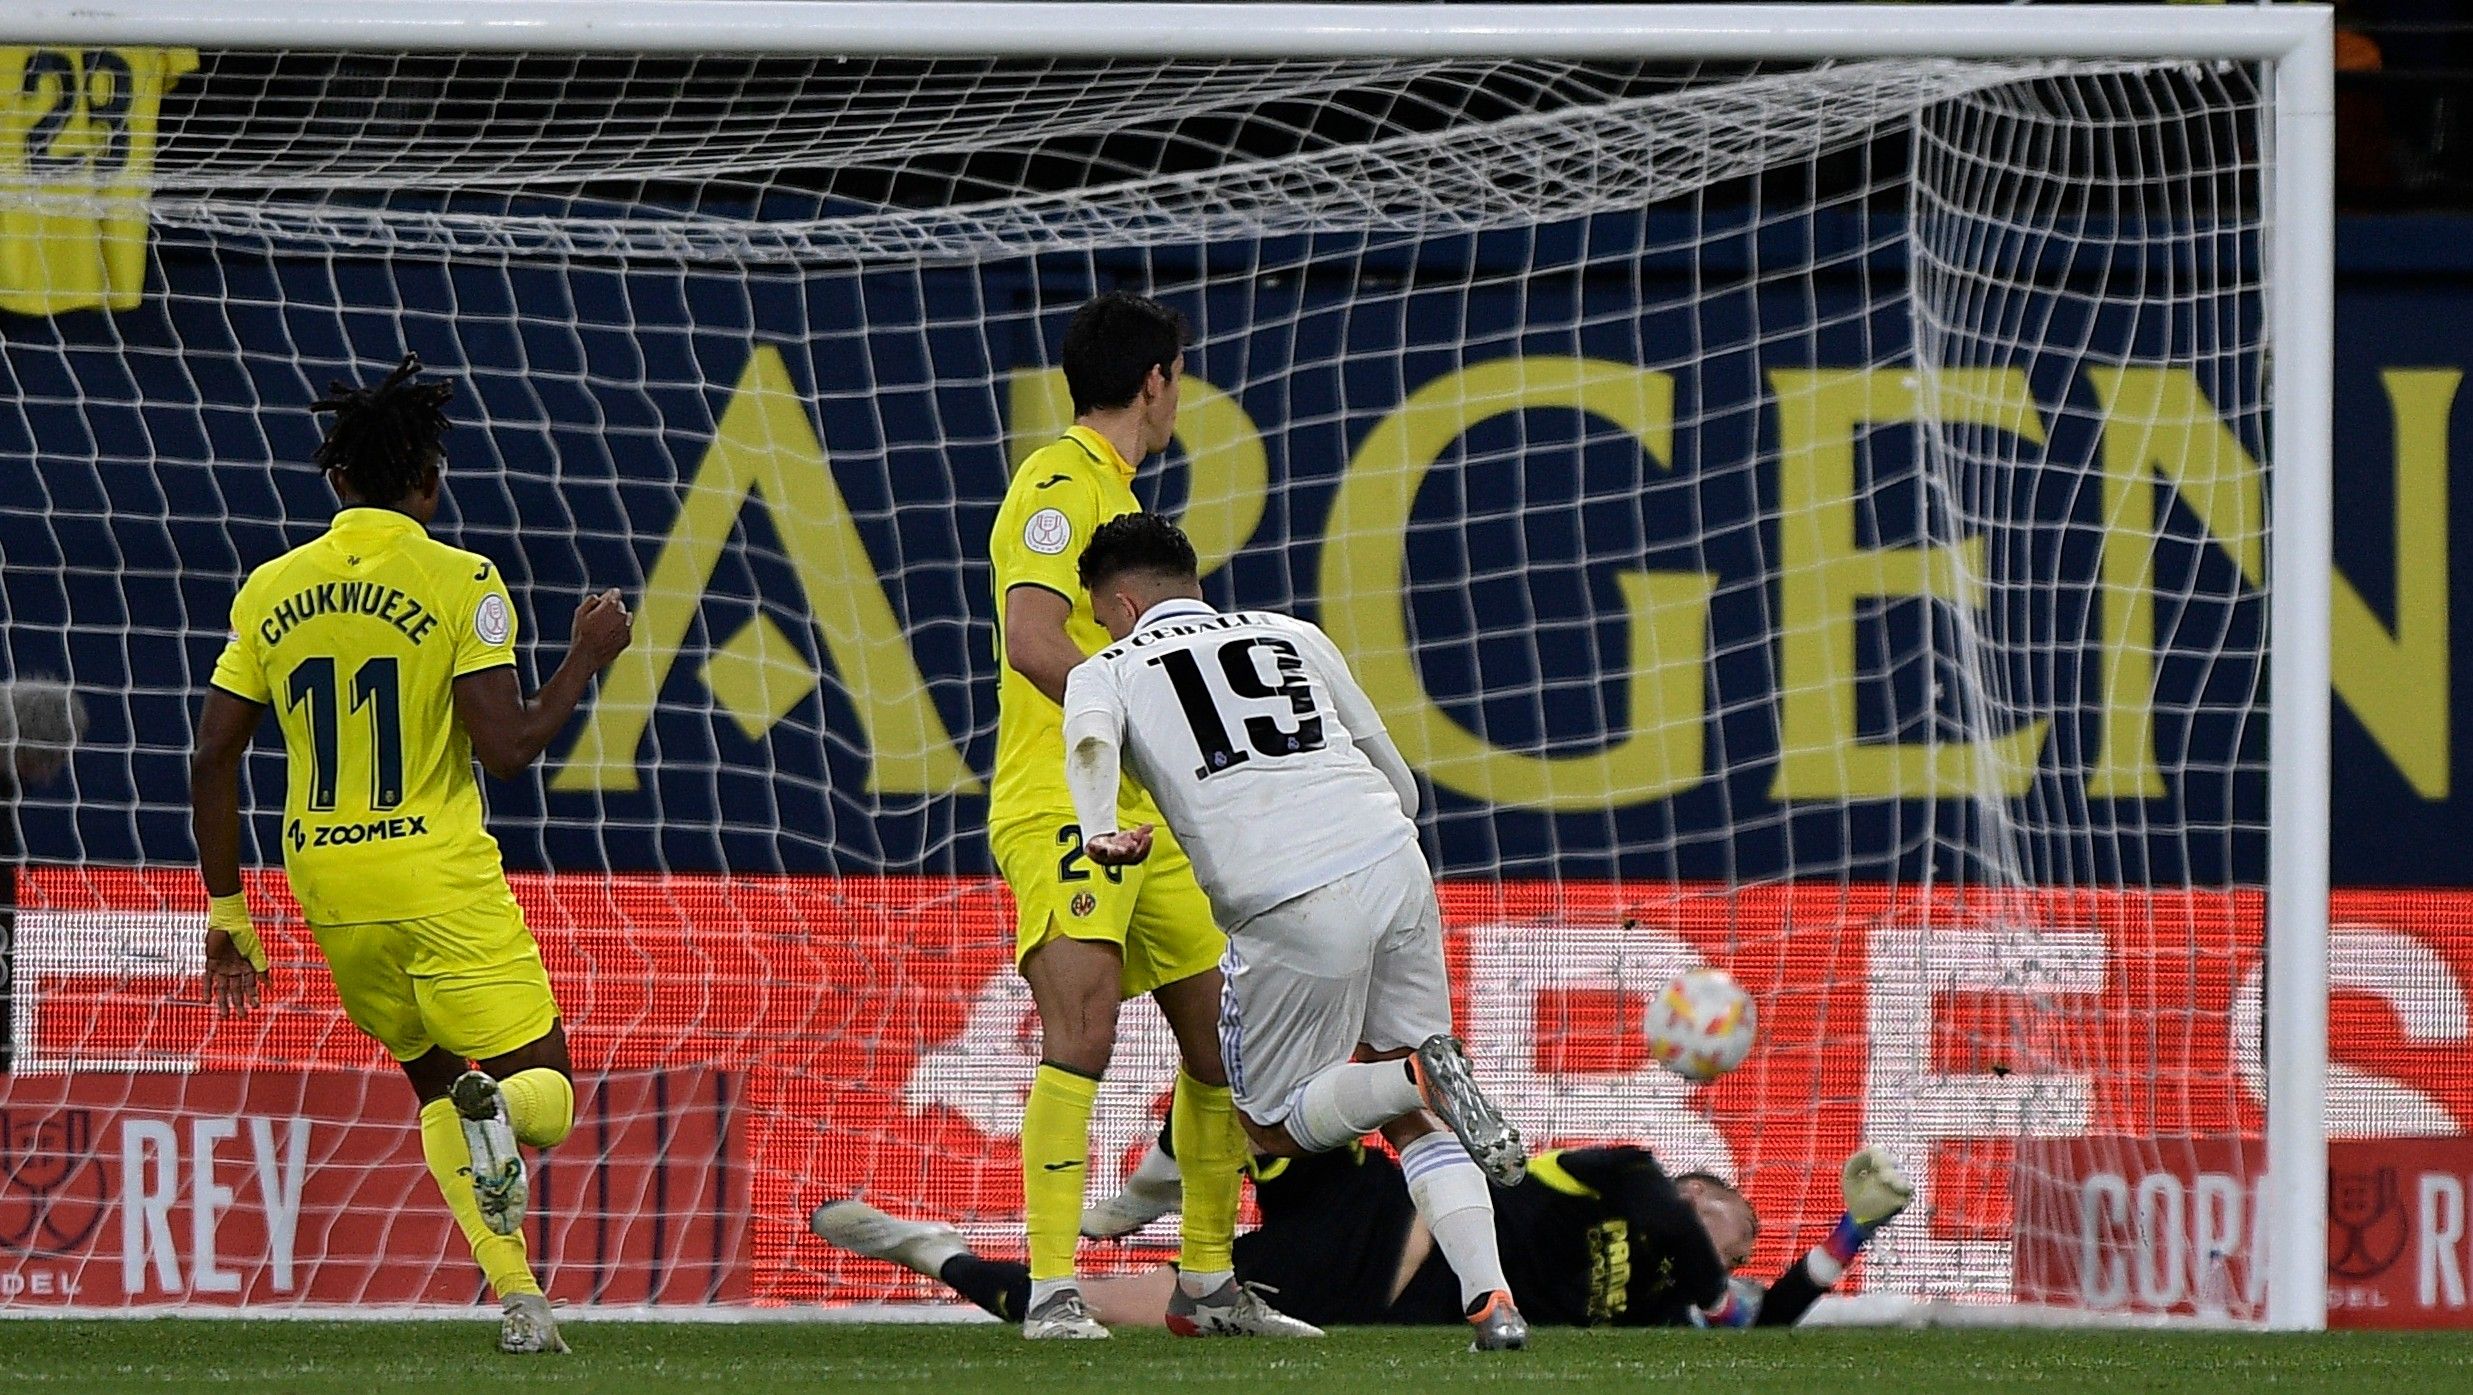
column 510, row 732
column 1094, row 757
column 1036, row 645
column 234, row 962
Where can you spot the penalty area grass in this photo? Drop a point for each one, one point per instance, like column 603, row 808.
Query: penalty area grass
column 457, row 1358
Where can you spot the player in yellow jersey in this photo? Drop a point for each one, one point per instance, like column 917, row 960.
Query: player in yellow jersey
column 389, row 658
column 1090, row 936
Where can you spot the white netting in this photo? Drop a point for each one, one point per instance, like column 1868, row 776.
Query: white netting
column 1807, row 519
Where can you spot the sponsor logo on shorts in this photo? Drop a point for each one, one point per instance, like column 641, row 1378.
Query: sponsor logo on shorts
column 1048, row 532
column 1084, row 903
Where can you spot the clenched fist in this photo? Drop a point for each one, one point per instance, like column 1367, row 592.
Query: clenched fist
column 603, row 629
column 1875, row 1189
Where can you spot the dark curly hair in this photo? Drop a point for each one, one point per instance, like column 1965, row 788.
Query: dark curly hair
column 1136, row 542
column 385, row 438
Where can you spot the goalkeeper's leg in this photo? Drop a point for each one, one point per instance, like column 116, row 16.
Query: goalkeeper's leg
column 1000, row 1286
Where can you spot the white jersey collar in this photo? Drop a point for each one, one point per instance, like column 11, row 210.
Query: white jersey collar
column 1181, row 608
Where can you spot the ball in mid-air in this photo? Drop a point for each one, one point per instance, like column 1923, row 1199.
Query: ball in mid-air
column 1702, row 1026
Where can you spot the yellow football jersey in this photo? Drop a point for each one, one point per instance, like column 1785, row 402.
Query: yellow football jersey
column 1058, row 498
column 356, row 640
column 77, row 152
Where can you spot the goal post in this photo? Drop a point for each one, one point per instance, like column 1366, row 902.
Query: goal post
column 1616, row 219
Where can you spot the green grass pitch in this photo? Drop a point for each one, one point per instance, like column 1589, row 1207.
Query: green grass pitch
column 455, row 1358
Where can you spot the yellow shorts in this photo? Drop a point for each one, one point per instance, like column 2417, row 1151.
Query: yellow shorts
column 1154, row 912
column 470, row 980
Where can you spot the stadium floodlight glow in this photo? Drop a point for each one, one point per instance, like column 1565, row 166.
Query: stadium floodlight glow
column 1674, row 229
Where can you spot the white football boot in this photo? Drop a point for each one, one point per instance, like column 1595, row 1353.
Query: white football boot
column 1499, row 1326
column 1232, row 1310
column 525, row 1327
column 1449, row 1085
column 497, row 1168
column 1063, row 1317
column 1143, row 1201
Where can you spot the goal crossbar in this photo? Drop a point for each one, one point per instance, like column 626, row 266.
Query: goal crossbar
column 1065, row 28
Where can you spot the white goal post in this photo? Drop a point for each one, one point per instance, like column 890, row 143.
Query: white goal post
column 2291, row 46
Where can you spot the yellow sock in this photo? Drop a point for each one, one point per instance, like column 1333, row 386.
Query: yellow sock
column 1056, row 1149
column 501, row 1257
column 1210, row 1151
column 540, row 1106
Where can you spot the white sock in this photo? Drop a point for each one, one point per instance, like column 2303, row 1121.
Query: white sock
column 1349, row 1101
column 1824, row 1267
column 1452, row 1196
column 1202, row 1283
column 1041, row 1290
column 1156, row 1170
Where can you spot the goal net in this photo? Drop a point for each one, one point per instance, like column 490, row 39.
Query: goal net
column 1809, row 518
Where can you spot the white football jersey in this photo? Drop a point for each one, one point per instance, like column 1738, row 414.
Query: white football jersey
column 1243, row 726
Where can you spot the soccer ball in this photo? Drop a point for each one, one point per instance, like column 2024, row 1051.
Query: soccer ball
column 1702, row 1026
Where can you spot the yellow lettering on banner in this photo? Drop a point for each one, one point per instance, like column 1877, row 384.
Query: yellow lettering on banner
column 765, row 445
column 1823, row 572
column 77, row 151
column 2159, row 431
column 2397, row 684
column 1364, row 580
column 1228, row 470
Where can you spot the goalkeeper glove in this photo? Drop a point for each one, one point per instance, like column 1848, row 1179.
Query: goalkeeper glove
column 1875, row 1191
column 1874, row 1188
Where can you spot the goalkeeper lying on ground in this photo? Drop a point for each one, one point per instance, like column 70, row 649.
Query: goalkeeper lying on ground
column 1592, row 1235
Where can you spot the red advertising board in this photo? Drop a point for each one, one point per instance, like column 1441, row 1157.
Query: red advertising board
column 2134, row 1226
column 880, row 1045
column 223, row 1188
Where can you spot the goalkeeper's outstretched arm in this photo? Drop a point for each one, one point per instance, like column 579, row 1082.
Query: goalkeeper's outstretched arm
column 1875, row 1191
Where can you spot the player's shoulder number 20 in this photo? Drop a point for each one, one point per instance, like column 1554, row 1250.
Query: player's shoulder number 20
column 1276, row 714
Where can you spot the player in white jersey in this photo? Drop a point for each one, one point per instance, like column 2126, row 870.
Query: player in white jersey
column 1271, row 766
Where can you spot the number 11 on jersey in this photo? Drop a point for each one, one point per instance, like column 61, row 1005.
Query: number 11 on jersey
column 375, row 689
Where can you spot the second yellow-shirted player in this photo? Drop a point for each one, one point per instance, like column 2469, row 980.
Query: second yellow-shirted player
column 1088, row 936
column 388, row 658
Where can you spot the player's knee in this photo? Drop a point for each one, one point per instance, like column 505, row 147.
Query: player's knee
column 1204, row 1065
column 1079, row 1036
column 1270, row 1140
column 1077, row 988
column 540, row 1106
column 1078, row 1030
column 1410, row 1127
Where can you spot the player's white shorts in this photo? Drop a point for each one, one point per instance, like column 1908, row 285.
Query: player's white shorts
column 1356, row 960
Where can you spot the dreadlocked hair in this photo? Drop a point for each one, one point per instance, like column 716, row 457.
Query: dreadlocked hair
column 384, row 438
